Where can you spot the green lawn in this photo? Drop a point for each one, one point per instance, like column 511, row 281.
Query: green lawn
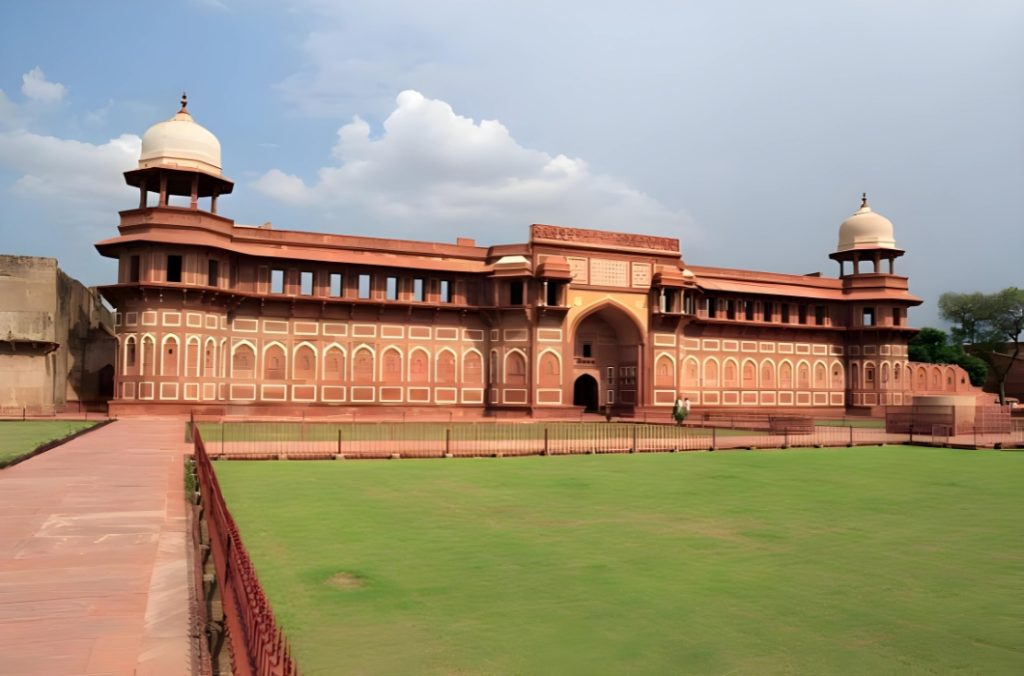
column 20, row 437
column 855, row 561
column 870, row 423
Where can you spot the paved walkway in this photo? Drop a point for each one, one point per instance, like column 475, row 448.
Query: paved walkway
column 93, row 571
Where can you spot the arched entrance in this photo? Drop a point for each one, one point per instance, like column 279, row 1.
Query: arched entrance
column 584, row 393
column 105, row 386
column 607, row 343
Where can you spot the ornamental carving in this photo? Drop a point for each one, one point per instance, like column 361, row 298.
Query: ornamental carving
column 583, row 236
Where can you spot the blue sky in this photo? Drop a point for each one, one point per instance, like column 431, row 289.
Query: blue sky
column 748, row 130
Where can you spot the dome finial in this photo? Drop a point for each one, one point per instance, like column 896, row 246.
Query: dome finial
column 863, row 200
column 184, row 102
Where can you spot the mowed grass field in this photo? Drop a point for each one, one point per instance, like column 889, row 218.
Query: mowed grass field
column 806, row 561
column 20, row 437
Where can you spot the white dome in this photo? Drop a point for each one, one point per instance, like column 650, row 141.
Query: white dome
column 180, row 143
column 866, row 229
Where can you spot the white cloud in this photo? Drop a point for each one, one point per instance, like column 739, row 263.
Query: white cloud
column 81, row 181
column 36, row 87
column 74, row 181
column 8, row 111
column 432, row 168
column 60, row 195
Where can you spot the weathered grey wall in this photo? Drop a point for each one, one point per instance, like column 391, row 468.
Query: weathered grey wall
column 28, row 329
column 55, row 336
column 27, row 302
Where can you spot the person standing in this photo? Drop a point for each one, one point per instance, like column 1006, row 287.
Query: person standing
column 679, row 411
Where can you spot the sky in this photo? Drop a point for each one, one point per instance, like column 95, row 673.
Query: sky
column 747, row 130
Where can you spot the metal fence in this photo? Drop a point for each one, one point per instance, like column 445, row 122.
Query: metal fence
column 327, row 440
column 258, row 646
column 331, row 440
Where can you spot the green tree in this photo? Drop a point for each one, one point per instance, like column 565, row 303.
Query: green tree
column 934, row 347
column 966, row 311
column 930, row 346
column 990, row 325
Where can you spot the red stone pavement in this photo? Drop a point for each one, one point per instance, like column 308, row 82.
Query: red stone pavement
column 93, row 570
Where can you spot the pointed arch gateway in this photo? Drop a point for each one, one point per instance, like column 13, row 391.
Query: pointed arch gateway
column 608, row 346
column 585, row 393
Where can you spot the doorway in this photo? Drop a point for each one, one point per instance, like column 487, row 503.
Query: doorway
column 607, row 343
column 105, row 388
column 584, row 393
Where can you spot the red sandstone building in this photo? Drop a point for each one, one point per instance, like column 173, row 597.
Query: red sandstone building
column 212, row 316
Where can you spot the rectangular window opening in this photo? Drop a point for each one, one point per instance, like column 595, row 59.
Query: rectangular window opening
column 417, row 290
column 134, row 268
column 364, row 286
column 336, row 284
column 554, row 294
column 785, row 313
column 712, row 304
column 391, row 288
column 213, row 273
column 174, row 268
column 802, row 310
column 446, row 291
column 897, row 318
column 306, row 283
column 869, row 316
column 515, row 293
column 588, row 351
column 819, row 315
column 730, row 309
column 748, row 310
column 277, row 281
